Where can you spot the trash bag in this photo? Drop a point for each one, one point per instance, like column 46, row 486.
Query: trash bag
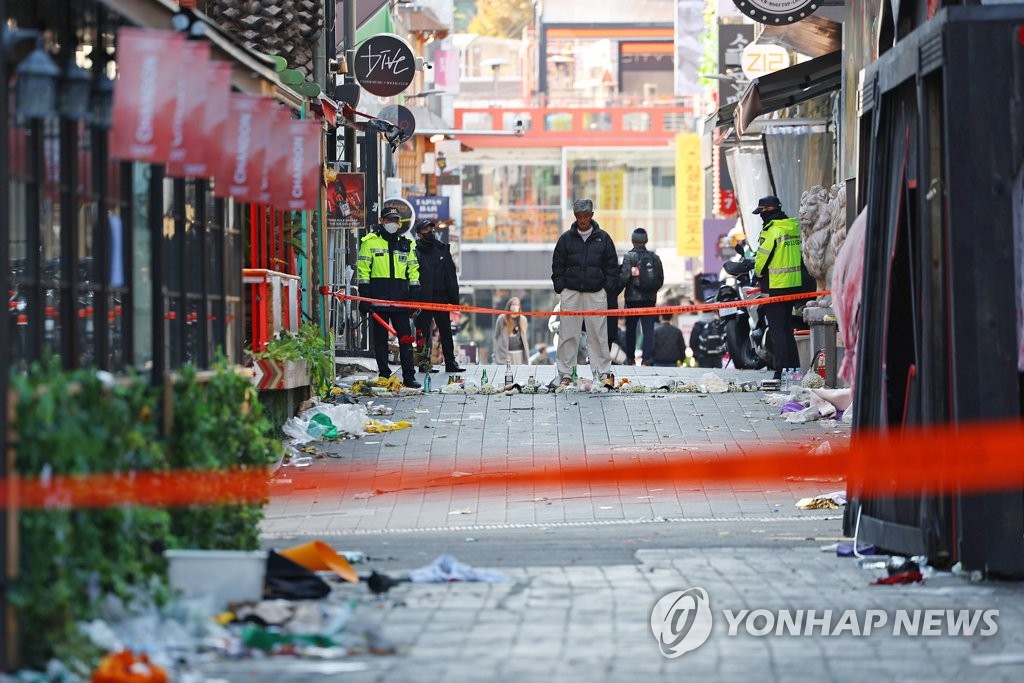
column 326, row 421
column 287, row 580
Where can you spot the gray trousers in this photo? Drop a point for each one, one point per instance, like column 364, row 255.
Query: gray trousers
column 571, row 326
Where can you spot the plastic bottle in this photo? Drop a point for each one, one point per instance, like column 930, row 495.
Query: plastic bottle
column 509, row 377
column 483, row 377
column 786, row 376
column 426, row 383
column 797, row 378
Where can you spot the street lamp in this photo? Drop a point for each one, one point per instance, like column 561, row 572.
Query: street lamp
column 74, row 95
column 102, row 102
column 36, row 93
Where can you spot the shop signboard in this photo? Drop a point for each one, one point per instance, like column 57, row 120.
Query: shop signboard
column 145, row 94
column 431, row 207
column 777, row 12
column 385, row 65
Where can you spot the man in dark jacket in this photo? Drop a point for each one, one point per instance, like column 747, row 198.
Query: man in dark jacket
column 643, row 275
column 669, row 348
column 584, row 268
column 387, row 269
column 439, row 284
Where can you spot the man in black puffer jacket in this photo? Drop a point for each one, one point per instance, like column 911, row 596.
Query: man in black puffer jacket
column 584, row 268
column 439, row 284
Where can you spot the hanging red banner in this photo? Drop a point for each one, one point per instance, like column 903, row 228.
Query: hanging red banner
column 144, row 98
column 189, row 107
column 274, row 158
column 245, row 134
column 295, row 185
column 204, row 133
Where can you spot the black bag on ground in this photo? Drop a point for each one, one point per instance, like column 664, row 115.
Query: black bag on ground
column 287, row 580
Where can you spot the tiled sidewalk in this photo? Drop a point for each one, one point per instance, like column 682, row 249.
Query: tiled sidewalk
column 456, row 436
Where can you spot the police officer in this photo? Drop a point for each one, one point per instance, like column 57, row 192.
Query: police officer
column 440, row 285
column 387, row 269
column 779, row 264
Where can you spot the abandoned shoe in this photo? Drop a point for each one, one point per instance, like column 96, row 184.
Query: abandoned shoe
column 608, row 380
column 566, row 381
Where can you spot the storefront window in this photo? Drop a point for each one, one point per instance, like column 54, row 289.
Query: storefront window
column 636, row 121
column 477, row 120
column 560, row 122
column 597, row 121
column 630, row 188
column 510, row 203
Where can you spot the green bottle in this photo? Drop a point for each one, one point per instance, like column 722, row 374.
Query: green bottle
column 483, row 377
column 574, row 378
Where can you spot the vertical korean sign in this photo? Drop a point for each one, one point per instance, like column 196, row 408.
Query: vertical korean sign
column 689, row 196
column 145, row 95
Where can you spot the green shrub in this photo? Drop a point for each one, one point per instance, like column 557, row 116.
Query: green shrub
column 70, row 423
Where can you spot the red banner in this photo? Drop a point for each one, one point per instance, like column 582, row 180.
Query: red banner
column 190, row 105
column 144, row 98
column 295, row 186
column 245, row 139
column 273, row 159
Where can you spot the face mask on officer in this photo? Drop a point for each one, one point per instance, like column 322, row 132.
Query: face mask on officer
column 391, row 228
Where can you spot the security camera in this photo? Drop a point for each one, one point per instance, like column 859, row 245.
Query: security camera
column 422, row 64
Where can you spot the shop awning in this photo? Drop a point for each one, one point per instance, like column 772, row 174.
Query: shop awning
column 422, row 20
column 787, row 87
column 780, row 89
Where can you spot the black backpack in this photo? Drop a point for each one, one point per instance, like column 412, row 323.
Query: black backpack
column 711, row 338
column 651, row 279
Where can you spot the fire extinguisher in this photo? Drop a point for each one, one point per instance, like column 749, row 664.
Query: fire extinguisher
column 819, row 363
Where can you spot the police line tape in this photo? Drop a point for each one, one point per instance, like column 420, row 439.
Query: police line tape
column 945, row 459
column 653, row 310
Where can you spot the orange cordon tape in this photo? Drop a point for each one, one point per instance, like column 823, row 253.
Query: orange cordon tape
column 654, row 310
column 944, row 459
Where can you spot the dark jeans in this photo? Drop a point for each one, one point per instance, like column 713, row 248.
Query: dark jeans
column 399, row 319
column 444, row 333
column 646, row 326
column 780, row 327
column 613, row 320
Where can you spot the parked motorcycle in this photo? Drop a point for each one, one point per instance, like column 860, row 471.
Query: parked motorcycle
column 746, row 330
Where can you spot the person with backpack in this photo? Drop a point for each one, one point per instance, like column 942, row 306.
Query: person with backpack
column 708, row 341
column 642, row 275
column 669, row 347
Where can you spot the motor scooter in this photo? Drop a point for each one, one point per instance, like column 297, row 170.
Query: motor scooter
column 746, row 330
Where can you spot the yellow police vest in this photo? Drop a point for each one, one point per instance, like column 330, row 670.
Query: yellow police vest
column 780, row 240
column 385, row 268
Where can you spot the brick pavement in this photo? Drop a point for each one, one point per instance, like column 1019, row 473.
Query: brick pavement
column 456, row 435
column 559, row 621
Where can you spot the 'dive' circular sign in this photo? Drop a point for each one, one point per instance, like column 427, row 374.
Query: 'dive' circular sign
column 385, row 65
column 777, row 11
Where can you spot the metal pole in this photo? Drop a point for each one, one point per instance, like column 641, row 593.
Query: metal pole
column 7, row 566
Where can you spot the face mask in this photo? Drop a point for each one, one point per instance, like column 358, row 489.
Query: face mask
column 427, row 237
column 392, row 228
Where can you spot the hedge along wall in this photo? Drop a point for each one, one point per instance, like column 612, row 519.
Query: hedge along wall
column 71, row 558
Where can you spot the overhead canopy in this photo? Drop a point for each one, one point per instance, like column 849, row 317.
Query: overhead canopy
column 790, row 86
column 783, row 88
column 422, row 20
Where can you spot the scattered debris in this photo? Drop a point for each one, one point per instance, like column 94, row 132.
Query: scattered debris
column 446, row 568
